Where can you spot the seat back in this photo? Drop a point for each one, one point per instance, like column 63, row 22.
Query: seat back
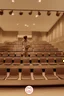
column 25, row 71
column 3, row 71
column 34, row 60
column 8, row 60
column 26, row 60
column 49, row 71
column 1, row 60
column 51, row 59
column 17, row 60
column 59, row 59
column 59, row 70
column 43, row 59
column 14, row 71
column 37, row 71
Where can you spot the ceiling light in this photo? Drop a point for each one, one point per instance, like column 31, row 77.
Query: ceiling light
column 26, row 25
column 57, row 13
column 13, row 1
column 20, row 13
column 36, row 16
column 17, row 23
column 33, row 23
column 11, row 12
column 39, row 1
column 39, row 13
column 30, row 13
column 1, row 12
column 63, row 60
column 48, row 13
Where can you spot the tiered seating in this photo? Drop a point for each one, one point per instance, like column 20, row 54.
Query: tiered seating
column 36, row 68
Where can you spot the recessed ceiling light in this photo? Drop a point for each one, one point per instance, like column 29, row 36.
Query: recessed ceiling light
column 36, row 16
column 26, row 25
column 33, row 23
column 13, row 1
column 17, row 23
column 39, row 1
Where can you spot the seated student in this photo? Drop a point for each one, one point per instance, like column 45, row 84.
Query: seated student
column 26, row 45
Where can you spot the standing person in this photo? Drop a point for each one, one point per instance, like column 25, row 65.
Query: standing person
column 26, row 45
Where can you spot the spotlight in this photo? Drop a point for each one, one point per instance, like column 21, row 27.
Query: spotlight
column 48, row 13
column 39, row 13
column 11, row 12
column 30, row 13
column 20, row 13
column 1, row 12
column 57, row 13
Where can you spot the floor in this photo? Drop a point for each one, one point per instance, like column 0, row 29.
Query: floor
column 38, row 91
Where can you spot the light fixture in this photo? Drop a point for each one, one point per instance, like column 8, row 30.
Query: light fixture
column 11, row 12
column 20, row 13
column 13, row 1
column 33, row 23
column 17, row 24
column 39, row 1
column 26, row 25
column 30, row 13
column 39, row 13
column 1, row 12
column 48, row 13
column 63, row 60
column 36, row 15
column 57, row 13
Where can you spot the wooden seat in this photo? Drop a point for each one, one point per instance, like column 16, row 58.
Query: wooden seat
column 49, row 74
column 35, row 61
column 26, row 61
column 59, row 60
column 38, row 73
column 12, row 54
column 5, row 54
column 1, row 60
column 39, row 54
column 26, row 73
column 58, row 53
column 17, row 61
column 8, row 61
column 14, row 74
column 60, row 72
column 52, row 54
column 43, row 61
column 51, row 61
column 3, row 73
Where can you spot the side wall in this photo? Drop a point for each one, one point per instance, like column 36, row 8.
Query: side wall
column 56, row 35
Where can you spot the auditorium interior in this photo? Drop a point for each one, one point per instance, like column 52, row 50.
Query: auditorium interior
column 42, row 21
